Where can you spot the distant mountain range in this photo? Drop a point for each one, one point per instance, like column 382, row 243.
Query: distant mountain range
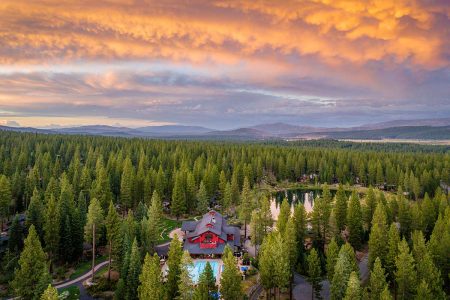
column 429, row 129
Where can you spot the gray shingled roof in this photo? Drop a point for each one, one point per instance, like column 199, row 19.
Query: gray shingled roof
column 202, row 227
column 189, row 225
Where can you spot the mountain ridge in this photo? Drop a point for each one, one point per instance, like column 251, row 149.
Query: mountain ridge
column 397, row 129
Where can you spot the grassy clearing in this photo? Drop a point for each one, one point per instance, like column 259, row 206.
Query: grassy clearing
column 168, row 226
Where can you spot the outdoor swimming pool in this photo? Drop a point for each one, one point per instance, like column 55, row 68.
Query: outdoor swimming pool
column 199, row 266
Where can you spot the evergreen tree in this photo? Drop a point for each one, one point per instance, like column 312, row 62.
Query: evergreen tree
column 153, row 223
column 424, row 293
column 416, row 217
column 77, row 234
column 82, row 209
column 266, row 215
column 50, row 293
column 32, row 276
column 377, row 280
column 178, row 205
column 266, row 263
column 175, row 254
column 51, row 228
column 439, row 244
column 141, row 211
column 314, row 273
column 227, row 198
column 290, row 240
column 35, row 214
column 426, row 270
column 332, row 255
column 386, row 295
column 133, row 272
column 5, row 199
column 377, row 237
column 341, row 208
column 202, row 199
column 150, row 279
column 404, row 217
column 429, row 215
column 371, row 204
column 185, row 283
column 15, row 234
column 348, row 251
column 246, row 207
column 320, row 220
column 92, row 228
column 70, row 230
column 283, row 216
column 257, row 229
column 354, row 221
column 209, row 278
column 126, row 184
column 101, row 189
column 191, row 199
column 130, row 226
column 353, row 291
column 300, row 219
column 393, row 241
column 206, row 284
column 342, row 272
column 281, row 271
column 112, row 224
column 231, row 281
column 406, row 275
column 222, row 184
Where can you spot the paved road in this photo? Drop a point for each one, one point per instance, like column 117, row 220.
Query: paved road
column 82, row 277
column 257, row 291
column 302, row 288
column 364, row 271
column 79, row 281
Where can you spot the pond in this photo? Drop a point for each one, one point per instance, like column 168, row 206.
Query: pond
column 304, row 196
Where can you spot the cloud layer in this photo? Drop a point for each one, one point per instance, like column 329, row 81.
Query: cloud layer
column 225, row 63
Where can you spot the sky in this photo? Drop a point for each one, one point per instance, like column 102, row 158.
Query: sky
column 223, row 64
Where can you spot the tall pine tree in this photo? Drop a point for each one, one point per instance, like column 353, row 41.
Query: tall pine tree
column 405, row 276
column 173, row 263
column 354, row 221
column 231, row 281
column 32, row 276
column 151, row 286
column 314, row 274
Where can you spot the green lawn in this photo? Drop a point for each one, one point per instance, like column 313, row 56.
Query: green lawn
column 168, row 226
column 85, row 266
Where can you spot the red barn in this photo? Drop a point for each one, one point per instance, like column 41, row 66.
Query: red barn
column 209, row 235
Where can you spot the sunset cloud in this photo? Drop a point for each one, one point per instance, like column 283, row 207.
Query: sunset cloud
column 196, row 59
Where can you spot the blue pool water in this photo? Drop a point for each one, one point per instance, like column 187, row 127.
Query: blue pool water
column 199, row 266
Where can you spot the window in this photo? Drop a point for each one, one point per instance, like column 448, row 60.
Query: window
column 208, row 238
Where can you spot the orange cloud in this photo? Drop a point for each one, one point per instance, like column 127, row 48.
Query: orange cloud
column 225, row 32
